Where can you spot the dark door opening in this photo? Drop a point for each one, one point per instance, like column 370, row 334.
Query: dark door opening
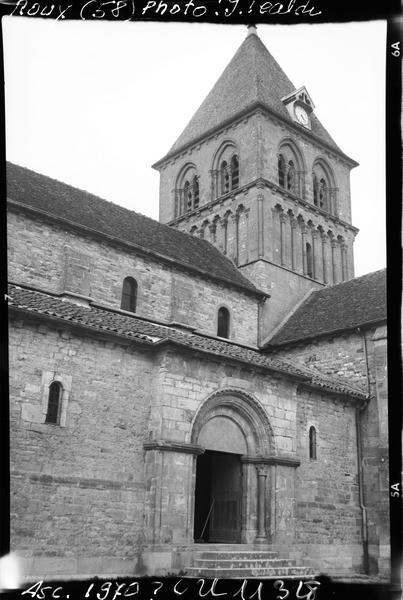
column 218, row 498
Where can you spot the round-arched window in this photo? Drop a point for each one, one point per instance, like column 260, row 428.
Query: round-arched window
column 54, row 402
column 129, row 294
column 312, row 443
column 223, row 322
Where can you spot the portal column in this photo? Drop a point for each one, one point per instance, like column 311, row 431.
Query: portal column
column 261, row 537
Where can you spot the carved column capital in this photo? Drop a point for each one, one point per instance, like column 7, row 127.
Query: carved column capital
column 261, row 470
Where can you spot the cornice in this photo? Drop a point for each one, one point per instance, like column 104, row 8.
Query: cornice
column 256, row 106
column 302, row 379
column 284, row 268
column 260, row 183
column 355, row 396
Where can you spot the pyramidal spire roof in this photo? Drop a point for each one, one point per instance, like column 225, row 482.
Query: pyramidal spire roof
column 252, row 77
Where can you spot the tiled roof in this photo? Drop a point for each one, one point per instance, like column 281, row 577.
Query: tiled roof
column 66, row 202
column 133, row 328
column 340, row 307
column 253, row 76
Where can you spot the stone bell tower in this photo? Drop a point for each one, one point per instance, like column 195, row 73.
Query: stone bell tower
column 256, row 174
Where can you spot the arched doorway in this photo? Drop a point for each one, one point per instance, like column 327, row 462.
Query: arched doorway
column 218, row 491
column 232, row 428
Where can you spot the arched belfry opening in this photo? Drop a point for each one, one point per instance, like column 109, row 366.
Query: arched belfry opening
column 235, row 433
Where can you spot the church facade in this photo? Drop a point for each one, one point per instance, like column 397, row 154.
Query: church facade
column 207, row 394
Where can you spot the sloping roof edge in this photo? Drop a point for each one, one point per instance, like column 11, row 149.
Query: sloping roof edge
column 360, row 302
column 141, row 249
column 330, row 333
column 297, row 373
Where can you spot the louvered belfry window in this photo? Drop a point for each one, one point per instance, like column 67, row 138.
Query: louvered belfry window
column 234, row 172
column 281, row 170
column 54, row 402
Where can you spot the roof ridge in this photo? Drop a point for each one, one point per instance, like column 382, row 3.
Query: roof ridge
column 82, row 190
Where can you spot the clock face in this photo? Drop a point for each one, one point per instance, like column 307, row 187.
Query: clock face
column 301, row 115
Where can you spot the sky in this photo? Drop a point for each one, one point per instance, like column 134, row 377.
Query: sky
column 96, row 103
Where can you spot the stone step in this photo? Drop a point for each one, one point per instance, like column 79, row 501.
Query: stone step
column 240, row 563
column 278, row 572
column 244, row 555
column 229, row 547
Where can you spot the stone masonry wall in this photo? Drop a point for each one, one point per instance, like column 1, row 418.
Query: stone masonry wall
column 327, row 504
column 257, row 138
column 50, row 258
column 313, row 502
column 77, row 490
column 274, row 133
column 244, row 136
column 343, row 356
column 285, row 289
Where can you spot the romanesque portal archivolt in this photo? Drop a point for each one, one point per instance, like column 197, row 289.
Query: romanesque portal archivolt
column 230, row 498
